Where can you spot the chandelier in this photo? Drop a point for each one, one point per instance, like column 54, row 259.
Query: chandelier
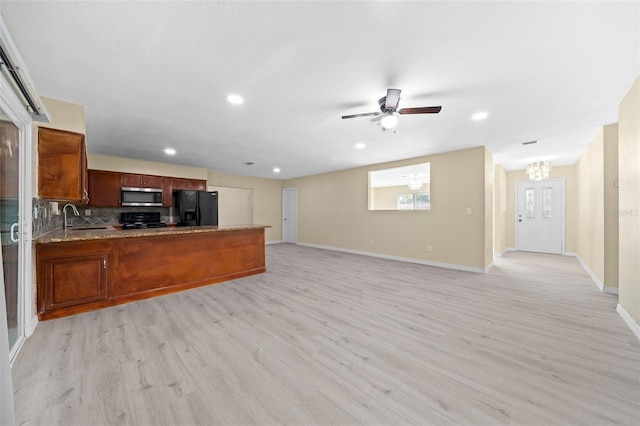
column 539, row 170
column 415, row 183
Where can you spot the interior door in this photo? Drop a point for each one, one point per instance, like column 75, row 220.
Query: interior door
column 290, row 215
column 540, row 216
column 9, row 226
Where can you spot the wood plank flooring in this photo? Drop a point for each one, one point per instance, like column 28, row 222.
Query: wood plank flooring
column 333, row 338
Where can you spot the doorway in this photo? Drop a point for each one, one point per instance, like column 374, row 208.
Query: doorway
column 540, row 216
column 290, row 215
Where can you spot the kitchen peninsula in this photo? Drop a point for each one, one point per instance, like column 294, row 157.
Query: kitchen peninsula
column 84, row 269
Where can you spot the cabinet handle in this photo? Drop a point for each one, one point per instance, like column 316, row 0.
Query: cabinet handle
column 104, row 263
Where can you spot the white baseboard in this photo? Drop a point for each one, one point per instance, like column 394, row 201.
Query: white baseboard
column 611, row 290
column 30, row 326
column 273, row 242
column 589, row 271
column 505, row 251
column 402, row 259
column 635, row 328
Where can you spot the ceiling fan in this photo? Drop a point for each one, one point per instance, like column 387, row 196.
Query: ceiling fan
column 389, row 107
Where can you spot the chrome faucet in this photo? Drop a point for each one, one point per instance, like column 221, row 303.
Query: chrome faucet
column 65, row 225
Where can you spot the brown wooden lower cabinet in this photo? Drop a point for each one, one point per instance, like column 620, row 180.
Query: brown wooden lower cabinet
column 81, row 276
column 71, row 275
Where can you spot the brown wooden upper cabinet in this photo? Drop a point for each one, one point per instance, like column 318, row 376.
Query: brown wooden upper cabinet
column 172, row 184
column 104, row 188
column 141, row 181
column 197, row 184
column 62, row 166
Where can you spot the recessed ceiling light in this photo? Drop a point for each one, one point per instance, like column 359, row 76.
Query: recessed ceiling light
column 170, row 151
column 235, row 99
column 276, row 170
column 361, row 145
column 479, row 116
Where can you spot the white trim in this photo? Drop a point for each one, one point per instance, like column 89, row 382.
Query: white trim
column 272, row 242
column 403, row 259
column 30, row 326
column 588, row 270
column 611, row 290
column 628, row 319
column 505, row 251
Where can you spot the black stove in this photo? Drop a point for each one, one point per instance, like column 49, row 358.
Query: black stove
column 141, row 220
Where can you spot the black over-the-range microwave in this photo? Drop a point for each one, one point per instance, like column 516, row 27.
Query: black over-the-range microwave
column 141, row 197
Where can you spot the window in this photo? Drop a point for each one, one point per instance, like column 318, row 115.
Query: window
column 415, row 201
column 405, row 201
column 423, row 202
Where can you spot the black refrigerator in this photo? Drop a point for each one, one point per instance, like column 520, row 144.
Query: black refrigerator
column 195, row 208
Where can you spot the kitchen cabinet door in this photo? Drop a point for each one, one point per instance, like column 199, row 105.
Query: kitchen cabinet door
column 104, row 188
column 73, row 276
column 141, row 181
column 75, row 280
column 197, row 184
column 167, row 192
column 62, row 166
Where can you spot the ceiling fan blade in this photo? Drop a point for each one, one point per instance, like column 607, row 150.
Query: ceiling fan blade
column 378, row 117
column 421, row 110
column 393, row 97
column 366, row 114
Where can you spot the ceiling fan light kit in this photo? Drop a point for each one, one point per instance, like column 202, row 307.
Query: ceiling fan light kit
column 389, row 109
column 389, row 121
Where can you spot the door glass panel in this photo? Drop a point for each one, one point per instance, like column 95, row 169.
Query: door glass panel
column 9, row 174
column 530, row 202
column 547, row 202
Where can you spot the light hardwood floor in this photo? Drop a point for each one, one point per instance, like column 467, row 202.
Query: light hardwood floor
column 332, row 338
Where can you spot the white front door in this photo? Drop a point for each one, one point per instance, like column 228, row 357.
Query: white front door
column 540, row 216
column 290, row 215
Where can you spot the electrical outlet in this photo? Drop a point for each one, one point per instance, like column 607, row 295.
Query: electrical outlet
column 429, row 249
column 469, row 211
column 87, row 212
column 371, row 243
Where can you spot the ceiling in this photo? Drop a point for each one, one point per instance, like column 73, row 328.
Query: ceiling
column 153, row 75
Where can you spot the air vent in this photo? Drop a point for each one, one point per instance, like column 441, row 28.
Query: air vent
column 529, row 143
column 249, row 163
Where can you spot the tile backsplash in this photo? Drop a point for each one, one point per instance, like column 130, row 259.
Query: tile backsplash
column 44, row 221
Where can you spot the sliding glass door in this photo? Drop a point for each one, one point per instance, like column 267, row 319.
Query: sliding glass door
column 15, row 218
column 9, row 225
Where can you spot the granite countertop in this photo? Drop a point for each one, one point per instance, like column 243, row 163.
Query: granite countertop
column 108, row 232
